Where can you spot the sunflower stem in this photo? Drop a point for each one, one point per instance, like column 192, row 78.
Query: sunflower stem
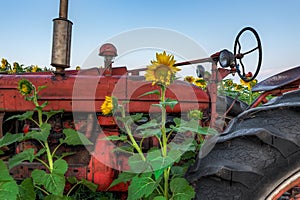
column 163, row 122
column 164, row 139
column 128, row 130
column 40, row 121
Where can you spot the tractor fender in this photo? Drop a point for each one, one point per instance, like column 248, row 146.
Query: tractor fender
column 257, row 156
column 284, row 108
column 265, row 124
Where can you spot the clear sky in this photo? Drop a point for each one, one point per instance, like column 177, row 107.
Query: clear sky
column 26, row 26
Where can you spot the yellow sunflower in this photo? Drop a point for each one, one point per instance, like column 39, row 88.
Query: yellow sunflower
column 228, row 83
column 189, row 79
column 162, row 70
column 107, row 106
column 249, row 84
column 200, row 82
column 238, row 87
column 35, row 68
column 3, row 63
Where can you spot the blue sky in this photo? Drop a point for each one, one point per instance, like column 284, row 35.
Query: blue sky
column 26, row 26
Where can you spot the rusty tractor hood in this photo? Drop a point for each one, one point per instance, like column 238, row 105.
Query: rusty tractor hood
column 85, row 91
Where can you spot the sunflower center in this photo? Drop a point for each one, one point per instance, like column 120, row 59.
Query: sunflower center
column 162, row 72
column 24, row 89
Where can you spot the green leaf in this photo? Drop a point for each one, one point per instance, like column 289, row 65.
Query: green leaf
column 41, row 87
column 186, row 145
column 27, row 154
column 8, row 187
column 159, row 163
column 124, row 149
column 38, row 176
column 137, row 165
column 178, row 171
column 1, row 152
column 124, row 120
column 41, row 152
column 151, row 132
column 53, row 182
column 92, row 186
column 41, row 135
column 151, row 124
column 72, row 180
column 115, row 104
column 142, row 186
column 123, row 178
column 136, row 116
column 207, row 131
column 64, row 154
column 26, row 190
column 188, row 155
column 43, row 105
column 169, row 102
column 184, row 126
column 157, row 105
column 57, row 197
column 159, row 198
column 181, row 189
column 49, row 114
column 177, row 121
column 193, row 126
column 74, row 138
column 129, row 119
column 26, row 115
column 4, row 174
column 60, row 167
column 29, row 98
column 156, row 92
column 115, row 138
column 9, row 138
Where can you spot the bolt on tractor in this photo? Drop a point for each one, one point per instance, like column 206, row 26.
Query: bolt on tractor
column 254, row 156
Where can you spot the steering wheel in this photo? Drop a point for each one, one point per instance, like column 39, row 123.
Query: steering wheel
column 239, row 56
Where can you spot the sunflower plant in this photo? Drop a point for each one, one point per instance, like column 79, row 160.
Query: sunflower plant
column 158, row 173
column 5, row 66
column 17, row 68
column 241, row 90
column 52, row 181
column 200, row 82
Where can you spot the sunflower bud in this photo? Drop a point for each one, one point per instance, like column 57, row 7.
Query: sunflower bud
column 195, row 114
column 25, row 87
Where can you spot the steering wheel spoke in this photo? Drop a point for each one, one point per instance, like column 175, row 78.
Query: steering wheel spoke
column 243, row 68
column 250, row 51
column 240, row 47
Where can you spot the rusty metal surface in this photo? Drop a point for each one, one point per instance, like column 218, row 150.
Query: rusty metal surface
column 63, row 9
column 61, row 43
column 279, row 80
column 86, row 92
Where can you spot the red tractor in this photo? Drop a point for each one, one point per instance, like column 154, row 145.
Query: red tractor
column 256, row 157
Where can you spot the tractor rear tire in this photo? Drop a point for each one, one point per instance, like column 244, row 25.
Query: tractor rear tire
column 257, row 157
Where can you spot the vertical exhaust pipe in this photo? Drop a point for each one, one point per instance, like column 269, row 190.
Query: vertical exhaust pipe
column 61, row 43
